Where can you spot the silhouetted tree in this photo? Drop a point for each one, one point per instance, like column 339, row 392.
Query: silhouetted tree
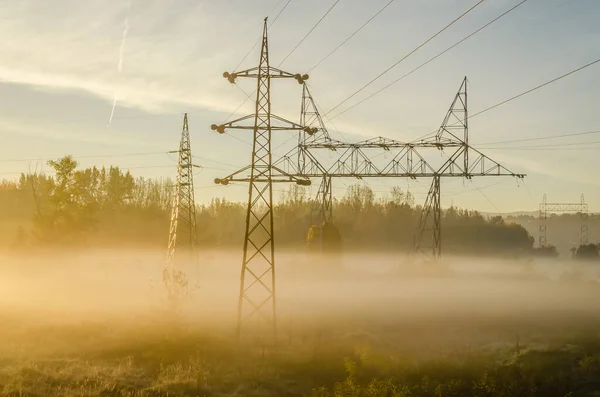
column 588, row 252
column 107, row 206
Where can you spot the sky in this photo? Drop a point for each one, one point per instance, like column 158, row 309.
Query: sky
column 65, row 63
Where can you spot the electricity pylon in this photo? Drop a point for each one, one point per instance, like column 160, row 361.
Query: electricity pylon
column 455, row 123
column 580, row 208
column 257, row 284
column 404, row 160
column 182, row 248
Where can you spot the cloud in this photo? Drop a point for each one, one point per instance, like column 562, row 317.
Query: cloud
column 83, row 133
column 72, row 47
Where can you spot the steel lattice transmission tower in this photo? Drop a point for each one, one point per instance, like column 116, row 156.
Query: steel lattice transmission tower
column 580, row 208
column 408, row 160
column 182, row 247
column 257, row 296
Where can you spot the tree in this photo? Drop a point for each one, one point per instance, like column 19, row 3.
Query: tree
column 359, row 197
column 67, row 213
column 400, row 198
column 587, row 252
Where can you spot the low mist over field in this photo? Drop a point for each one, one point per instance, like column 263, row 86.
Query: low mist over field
column 88, row 285
column 107, row 309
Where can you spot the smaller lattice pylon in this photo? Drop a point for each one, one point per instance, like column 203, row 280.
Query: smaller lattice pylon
column 182, row 249
column 580, row 208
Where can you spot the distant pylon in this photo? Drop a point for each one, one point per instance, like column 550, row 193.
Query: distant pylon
column 580, row 208
column 182, row 248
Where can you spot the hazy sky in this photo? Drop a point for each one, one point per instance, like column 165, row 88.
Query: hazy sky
column 63, row 62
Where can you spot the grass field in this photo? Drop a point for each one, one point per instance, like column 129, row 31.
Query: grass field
column 447, row 336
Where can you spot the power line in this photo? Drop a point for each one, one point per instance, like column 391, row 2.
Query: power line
column 84, row 157
column 120, row 166
column 127, row 168
column 541, row 138
column 487, row 198
column 520, row 95
column 535, row 88
column 260, row 38
column 279, row 13
column 284, row 142
column 406, row 56
column 351, row 36
column 309, row 32
column 430, row 60
column 247, row 55
column 535, row 148
column 123, row 168
column 248, row 96
column 216, row 162
column 237, row 139
column 456, row 192
column 322, row 112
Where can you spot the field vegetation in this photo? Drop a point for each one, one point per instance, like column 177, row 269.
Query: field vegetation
column 429, row 357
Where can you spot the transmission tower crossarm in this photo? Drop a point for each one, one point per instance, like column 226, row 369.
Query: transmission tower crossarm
column 271, row 72
column 383, row 143
column 311, row 167
column 277, row 176
column 331, row 144
column 566, row 207
column 285, row 125
column 482, row 165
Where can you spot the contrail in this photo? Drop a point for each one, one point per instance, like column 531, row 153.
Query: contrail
column 112, row 112
column 121, row 51
column 123, row 40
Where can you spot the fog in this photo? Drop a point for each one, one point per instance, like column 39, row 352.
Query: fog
column 311, row 289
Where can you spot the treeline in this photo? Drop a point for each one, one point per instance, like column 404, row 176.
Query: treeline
column 563, row 231
column 109, row 207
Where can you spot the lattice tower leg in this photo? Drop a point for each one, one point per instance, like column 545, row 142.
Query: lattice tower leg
column 325, row 206
column 437, row 219
column 430, row 221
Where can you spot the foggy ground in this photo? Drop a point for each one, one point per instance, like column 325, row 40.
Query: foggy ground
column 311, row 289
column 114, row 282
column 87, row 303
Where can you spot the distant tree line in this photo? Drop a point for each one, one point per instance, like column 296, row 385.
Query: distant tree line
column 563, row 234
column 109, row 207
